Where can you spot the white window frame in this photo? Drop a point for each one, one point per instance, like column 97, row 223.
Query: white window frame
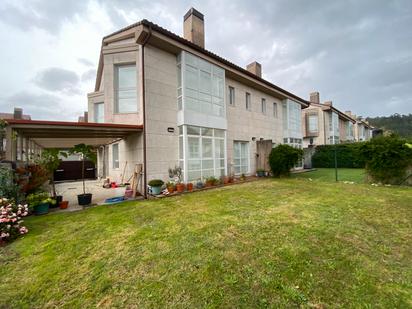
column 248, row 99
column 117, row 88
column 275, row 109
column 263, row 106
column 240, row 158
column 115, row 163
column 313, row 119
column 95, row 109
column 184, row 163
column 232, row 96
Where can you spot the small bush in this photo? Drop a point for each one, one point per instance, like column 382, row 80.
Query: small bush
column 282, row 158
column 387, row 158
column 11, row 220
column 156, row 183
column 8, row 187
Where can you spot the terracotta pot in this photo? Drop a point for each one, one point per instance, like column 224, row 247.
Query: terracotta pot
column 209, row 184
column 171, row 189
column 189, row 186
column 180, row 187
column 226, row 180
column 64, row 204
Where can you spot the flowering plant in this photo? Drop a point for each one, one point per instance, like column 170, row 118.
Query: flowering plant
column 11, row 219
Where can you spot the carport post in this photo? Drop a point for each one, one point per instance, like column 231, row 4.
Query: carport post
column 26, row 150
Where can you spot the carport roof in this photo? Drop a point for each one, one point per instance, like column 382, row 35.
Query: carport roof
column 63, row 134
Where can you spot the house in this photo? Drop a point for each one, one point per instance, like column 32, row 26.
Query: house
column 198, row 110
column 324, row 124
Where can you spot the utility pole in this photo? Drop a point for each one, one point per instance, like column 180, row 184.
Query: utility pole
column 336, row 162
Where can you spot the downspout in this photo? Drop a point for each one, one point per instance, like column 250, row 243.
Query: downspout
column 144, row 116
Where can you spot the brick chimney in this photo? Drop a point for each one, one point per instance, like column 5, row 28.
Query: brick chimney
column 328, row 103
column 18, row 113
column 255, row 68
column 314, row 97
column 194, row 27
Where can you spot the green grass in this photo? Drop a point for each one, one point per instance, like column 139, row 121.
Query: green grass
column 270, row 243
column 356, row 175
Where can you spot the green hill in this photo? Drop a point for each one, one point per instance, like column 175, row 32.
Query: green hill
column 396, row 123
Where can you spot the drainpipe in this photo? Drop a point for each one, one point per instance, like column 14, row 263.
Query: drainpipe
column 144, row 117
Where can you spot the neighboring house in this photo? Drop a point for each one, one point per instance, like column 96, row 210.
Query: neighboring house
column 4, row 141
column 17, row 114
column 197, row 110
column 324, row 124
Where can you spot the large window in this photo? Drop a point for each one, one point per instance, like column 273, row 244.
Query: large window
column 115, row 155
column 349, row 130
column 205, row 152
column 200, row 85
column 241, row 157
column 263, row 106
column 248, row 101
column 99, row 112
column 313, row 123
column 333, row 128
column 231, row 96
column 125, row 89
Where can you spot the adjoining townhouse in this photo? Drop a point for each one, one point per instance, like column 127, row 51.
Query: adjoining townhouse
column 362, row 129
column 324, row 124
column 197, row 110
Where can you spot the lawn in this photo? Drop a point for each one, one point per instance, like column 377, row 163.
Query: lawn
column 269, row 243
column 356, row 175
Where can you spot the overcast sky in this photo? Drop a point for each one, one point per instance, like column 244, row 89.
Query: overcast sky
column 356, row 53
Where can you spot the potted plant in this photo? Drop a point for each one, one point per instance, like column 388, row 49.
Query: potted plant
column 64, row 204
column 189, row 186
column 156, row 186
column 86, row 152
column 260, row 172
column 50, row 160
column 211, row 181
column 176, row 173
column 40, row 202
column 199, row 184
column 170, row 186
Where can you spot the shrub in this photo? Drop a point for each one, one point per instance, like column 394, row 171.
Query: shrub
column 8, row 187
column 156, row 183
column 36, row 199
column 387, row 158
column 348, row 156
column 282, row 158
column 11, row 220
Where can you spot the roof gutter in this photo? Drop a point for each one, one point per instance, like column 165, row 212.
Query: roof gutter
column 142, row 37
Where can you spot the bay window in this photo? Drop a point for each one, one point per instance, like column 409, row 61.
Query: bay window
column 202, row 152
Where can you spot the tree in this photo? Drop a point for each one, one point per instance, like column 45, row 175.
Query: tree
column 282, row 158
column 50, row 160
column 86, row 152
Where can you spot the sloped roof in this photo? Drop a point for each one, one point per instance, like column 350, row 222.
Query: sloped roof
column 171, row 35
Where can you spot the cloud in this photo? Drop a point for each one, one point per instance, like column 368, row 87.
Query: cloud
column 45, row 15
column 89, row 75
column 41, row 105
column 85, row 62
column 57, row 79
column 355, row 53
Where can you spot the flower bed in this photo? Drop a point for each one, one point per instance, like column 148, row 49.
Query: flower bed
column 11, row 220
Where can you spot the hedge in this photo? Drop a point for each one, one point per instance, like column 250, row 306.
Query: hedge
column 348, row 156
column 388, row 159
